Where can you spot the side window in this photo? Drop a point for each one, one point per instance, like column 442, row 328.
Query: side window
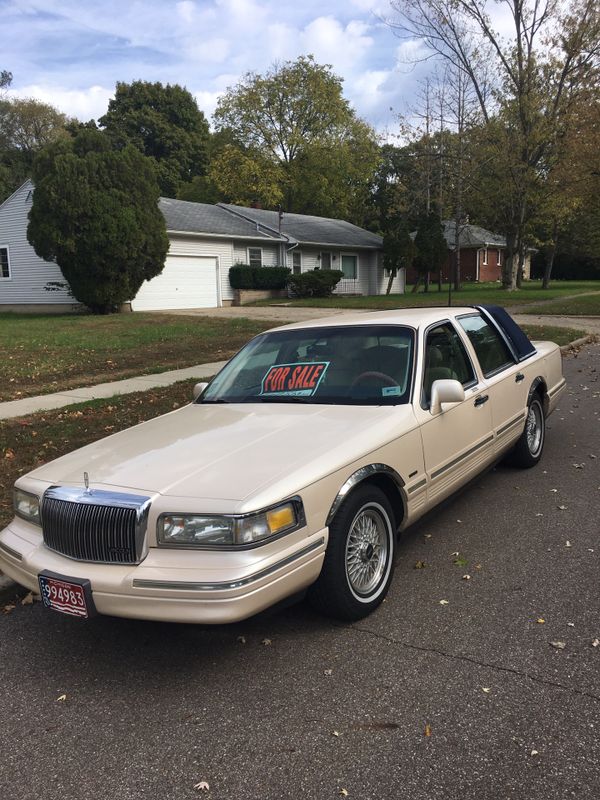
column 445, row 357
column 491, row 351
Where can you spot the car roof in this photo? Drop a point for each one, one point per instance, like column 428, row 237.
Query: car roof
column 412, row 317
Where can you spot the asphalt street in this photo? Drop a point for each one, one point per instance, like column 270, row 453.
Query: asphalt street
column 461, row 700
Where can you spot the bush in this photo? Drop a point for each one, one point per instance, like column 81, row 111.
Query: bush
column 318, row 283
column 243, row 276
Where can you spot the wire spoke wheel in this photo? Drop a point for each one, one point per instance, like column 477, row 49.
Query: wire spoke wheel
column 534, row 428
column 367, row 551
column 359, row 561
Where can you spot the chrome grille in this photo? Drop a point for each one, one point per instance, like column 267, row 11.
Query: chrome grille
column 98, row 526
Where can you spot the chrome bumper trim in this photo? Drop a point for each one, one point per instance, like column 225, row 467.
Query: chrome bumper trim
column 193, row 586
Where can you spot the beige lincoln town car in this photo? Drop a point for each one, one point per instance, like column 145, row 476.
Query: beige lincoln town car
column 294, row 469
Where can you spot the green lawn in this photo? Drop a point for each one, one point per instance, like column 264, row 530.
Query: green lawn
column 552, row 333
column 587, row 306
column 50, row 353
column 471, row 294
column 28, row 442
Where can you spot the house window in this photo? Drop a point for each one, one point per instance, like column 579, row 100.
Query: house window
column 325, row 259
column 4, row 263
column 349, row 266
column 499, row 258
column 255, row 256
column 296, row 262
column 485, row 257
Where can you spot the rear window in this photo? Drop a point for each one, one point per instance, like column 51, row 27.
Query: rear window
column 346, row 365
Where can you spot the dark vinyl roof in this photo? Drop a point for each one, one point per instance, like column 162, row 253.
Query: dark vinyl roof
column 306, row 229
column 181, row 215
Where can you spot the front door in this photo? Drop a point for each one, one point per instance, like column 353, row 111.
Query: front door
column 458, row 441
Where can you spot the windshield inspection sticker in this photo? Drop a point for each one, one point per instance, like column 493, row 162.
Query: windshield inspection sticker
column 294, row 380
column 391, row 391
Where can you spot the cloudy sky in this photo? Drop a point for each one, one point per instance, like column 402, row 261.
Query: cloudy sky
column 71, row 53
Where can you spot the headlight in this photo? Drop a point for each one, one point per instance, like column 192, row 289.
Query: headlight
column 196, row 530
column 27, row 506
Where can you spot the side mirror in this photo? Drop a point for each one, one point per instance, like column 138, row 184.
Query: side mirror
column 198, row 389
column 445, row 391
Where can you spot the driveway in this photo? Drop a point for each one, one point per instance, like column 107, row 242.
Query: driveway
column 490, row 695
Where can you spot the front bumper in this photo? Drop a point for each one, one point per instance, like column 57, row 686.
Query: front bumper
column 176, row 585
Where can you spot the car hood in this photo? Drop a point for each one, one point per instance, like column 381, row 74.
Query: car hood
column 231, row 452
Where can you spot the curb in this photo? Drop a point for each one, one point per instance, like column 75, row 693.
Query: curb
column 567, row 348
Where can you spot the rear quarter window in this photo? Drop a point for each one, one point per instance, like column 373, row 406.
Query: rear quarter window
column 491, row 351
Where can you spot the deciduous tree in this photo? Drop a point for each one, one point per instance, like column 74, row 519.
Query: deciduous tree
column 164, row 123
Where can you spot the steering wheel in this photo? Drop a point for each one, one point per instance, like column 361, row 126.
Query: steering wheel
column 364, row 377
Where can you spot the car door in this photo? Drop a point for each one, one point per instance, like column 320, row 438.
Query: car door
column 457, row 442
column 507, row 383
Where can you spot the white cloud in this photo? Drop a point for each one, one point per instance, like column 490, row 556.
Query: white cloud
column 186, row 10
column 207, row 102
column 332, row 43
column 84, row 104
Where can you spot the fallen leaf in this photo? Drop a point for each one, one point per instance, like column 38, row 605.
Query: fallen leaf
column 202, row 786
column 28, row 599
column 8, row 608
column 427, row 730
column 420, row 565
column 567, row 543
column 459, row 520
column 559, row 645
column 466, row 577
column 266, row 642
column 444, row 602
column 554, row 490
column 328, row 672
column 61, row 699
column 539, row 515
column 540, row 620
column 455, row 554
column 343, row 792
column 335, row 733
column 562, row 508
column 428, row 536
column 8, row 453
column 571, row 624
column 596, row 643
column 241, row 639
column 534, row 752
column 486, row 689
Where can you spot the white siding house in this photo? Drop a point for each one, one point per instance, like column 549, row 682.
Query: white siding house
column 205, row 241
column 26, row 279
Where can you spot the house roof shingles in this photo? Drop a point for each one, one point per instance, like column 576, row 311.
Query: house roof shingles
column 306, row 229
column 181, row 215
column 471, row 236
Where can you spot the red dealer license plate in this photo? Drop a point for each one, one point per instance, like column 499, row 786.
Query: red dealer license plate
column 67, row 595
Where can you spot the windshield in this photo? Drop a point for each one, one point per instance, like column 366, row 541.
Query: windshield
column 361, row 364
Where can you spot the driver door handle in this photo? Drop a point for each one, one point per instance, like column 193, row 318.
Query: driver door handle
column 520, row 377
column 483, row 398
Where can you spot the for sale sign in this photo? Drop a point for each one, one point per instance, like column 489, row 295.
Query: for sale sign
column 294, row 380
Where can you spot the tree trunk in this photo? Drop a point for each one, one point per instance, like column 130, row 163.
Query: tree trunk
column 550, row 258
column 507, row 267
column 390, row 281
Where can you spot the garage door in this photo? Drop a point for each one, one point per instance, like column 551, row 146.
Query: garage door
column 185, row 282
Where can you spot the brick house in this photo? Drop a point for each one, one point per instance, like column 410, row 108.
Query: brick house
column 482, row 254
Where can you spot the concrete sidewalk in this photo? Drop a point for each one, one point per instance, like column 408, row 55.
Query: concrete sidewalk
column 47, row 402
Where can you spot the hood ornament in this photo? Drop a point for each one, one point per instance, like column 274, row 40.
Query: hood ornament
column 86, row 480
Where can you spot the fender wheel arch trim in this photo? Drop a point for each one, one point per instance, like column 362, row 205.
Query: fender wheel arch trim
column 358, row 477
